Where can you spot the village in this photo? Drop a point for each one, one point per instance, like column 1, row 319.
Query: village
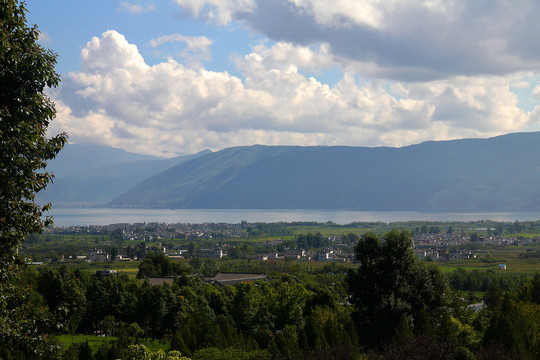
column 219, row 240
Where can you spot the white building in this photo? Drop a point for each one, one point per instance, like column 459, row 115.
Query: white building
column 211, row 253
column 96, row 255
column 295, row 254
column 325, row 255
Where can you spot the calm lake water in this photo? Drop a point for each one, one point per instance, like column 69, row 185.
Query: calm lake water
column 106, row 216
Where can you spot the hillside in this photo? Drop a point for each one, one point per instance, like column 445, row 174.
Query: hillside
column 94, row 174
column 496, row 174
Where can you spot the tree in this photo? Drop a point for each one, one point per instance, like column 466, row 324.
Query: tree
column 130, row 251
column 25, row 112
column 116, row 237
column 64, row 294
column 434, row 230
column 135, row 330
column 516, row 227
column 26, row 69
column 535, row 288
column 141, row 352
column 195, row 263
column 157, row 264
column 391, row 282
column 74, row 302
column 499, row 229
column 108, row 324
column 113, row 253
column 509, row 328
column 494, row 294
column 192, row 249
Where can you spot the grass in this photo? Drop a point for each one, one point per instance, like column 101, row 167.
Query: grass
column 514, row 265
column 95, row 341
column 507, row 256
column 330, row 230
column 527, row 235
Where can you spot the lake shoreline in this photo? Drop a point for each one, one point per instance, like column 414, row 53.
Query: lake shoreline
column 84, row 216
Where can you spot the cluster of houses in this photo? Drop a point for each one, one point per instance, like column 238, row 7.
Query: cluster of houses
column 437, row 247
column 431, row 247
column 444, row 254
column 335, row 253
column 447, row 240
column 155, row 230
column 327, row 254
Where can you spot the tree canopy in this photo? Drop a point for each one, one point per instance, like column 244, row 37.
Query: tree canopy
column 26, row 69
column 391, row 282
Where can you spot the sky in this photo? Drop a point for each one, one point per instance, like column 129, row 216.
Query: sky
column 168, row 77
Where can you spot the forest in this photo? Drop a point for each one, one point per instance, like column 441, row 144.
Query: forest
column 390, row 306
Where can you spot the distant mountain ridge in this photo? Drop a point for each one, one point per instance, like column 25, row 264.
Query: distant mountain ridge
column 91, row 175
column 496, row 174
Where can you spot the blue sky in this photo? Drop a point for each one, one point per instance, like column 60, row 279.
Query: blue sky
column 178, row 76
column 69, row 25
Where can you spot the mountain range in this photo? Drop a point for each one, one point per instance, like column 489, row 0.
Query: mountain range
column 495, row 174
column 90, row 175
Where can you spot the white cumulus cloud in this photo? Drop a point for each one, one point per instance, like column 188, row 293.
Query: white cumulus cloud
column 197, row 48
column 218, row 11
column 116, row 98
column 136, row 8
column 536, row 92
column 44, row 38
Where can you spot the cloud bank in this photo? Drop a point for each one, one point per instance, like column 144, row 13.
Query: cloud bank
column 406, row 40
column 118, row 99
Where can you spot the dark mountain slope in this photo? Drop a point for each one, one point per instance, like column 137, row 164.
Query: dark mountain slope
column 497, row 174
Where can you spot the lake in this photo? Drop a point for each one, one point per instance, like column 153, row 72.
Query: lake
column 106, row 216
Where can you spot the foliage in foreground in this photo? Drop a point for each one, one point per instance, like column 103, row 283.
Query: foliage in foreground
column 392, row 306
column 25, row 112
column 391, row 284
